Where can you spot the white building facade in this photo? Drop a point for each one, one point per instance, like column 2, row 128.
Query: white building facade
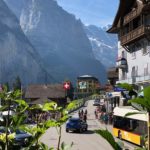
column 132, row 24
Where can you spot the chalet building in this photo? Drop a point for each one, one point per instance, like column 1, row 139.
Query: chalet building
column 112, row 75
column 87, row 85
column 39, row 94
column 132, row 24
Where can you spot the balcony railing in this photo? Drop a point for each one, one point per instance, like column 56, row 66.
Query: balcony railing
column 121, row 63
column 143, row 79
column 138, row 79
column 135, row 34
column 130, row 16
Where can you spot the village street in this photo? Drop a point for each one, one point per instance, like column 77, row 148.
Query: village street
column 82, row 141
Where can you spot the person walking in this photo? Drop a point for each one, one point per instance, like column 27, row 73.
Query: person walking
column 96, row 116
column 84, row 117
column 79, row 114
column 86, row 112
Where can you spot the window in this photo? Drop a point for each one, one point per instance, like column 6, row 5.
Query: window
column 147, row 19
column 145, row 69
column 131, row 125
column 123, row 54
column 123, row 75
column 145, row 46
column 133, row 55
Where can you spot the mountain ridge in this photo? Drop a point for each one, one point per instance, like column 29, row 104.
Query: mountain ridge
column 16, row 52
column 59, row 39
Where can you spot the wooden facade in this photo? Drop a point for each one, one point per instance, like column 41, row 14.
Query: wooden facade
column 39, row 94
column 112, row 75
column 132, row 22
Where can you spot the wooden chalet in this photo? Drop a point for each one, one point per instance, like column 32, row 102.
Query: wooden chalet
column 39, row 94
column 112, row 75
column 132, row 22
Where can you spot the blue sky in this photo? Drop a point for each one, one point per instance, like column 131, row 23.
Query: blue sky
column 96, row 12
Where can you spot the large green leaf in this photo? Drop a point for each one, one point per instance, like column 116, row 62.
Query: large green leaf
column 147, row 93
column 36, row 107
column 52, row 106
column 3, row 108
column 125, row 86
column 141, row 101
column 109, row 138
column 66, row 146
column 50, row 123
column 134, row 113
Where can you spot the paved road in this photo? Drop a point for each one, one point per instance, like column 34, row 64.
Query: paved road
column 82, row 141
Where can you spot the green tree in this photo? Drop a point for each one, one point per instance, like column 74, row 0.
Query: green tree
column 16, row 120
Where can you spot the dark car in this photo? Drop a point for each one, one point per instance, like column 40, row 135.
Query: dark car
column 76, row 124
column 21, row 138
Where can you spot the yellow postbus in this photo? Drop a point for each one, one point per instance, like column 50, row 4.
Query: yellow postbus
column 132, row 128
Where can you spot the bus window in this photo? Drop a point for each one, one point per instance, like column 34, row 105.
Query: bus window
column 132, row 128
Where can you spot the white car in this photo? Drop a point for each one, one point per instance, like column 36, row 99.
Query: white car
column 96, row 102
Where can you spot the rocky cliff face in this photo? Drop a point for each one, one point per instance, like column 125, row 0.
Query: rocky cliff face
column 59, row 39
column 17, row 56
column 104, row 45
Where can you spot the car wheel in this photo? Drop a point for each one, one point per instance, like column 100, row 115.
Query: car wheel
column 26, row 141
column 67, row 130
column 86, row 128
column 80, row 130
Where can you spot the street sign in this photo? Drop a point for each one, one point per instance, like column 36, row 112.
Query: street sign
column 66, row 85
column 82, row 85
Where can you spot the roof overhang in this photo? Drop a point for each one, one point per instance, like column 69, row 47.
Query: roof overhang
column 123, row 8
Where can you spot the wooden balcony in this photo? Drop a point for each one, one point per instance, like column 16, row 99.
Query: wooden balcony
column 130, row 16
column 135, row 35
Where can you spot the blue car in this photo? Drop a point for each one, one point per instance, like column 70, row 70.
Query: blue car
column 21, row 138
column 76, row 124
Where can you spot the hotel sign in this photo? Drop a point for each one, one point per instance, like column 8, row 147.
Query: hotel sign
column 82, row 85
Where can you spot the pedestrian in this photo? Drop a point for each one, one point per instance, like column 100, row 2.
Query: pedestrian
column 84, row 117
column 82, row 112
column 86, row 111
column 79, row 114
column 96, row 116
column 105, row 118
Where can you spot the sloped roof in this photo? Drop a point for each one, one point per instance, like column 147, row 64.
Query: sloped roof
column 86, row 77
column 124, row 7
column 112, row 72
column 45, row 91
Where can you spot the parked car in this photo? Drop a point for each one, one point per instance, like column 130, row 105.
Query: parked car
column 22, row 138
column 96, row 102
column 76, row 124
column 102, row 102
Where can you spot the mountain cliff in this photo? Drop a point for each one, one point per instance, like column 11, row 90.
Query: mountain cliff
column 17, row 55
column 104, row 45
column 59, row 38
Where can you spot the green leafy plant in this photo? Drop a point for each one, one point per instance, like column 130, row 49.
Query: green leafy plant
column 17, row 112
column 109, row 137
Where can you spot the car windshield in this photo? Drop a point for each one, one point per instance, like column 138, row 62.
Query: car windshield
column 20, row 132
column 73, row 121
